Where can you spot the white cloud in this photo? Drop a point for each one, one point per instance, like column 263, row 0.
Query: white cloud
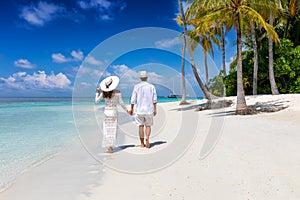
column 106, row 17
column 168, row 43
column 77, row 55
column 38, row 80
column 120, row 69
column 40, row 13
column 24, row 63
column 131, row 76
column 127, row 75
column 83, row 71
column 105, row 8
column 85, row 84
column 100, row 4
column 60, row 58
column 93, row 61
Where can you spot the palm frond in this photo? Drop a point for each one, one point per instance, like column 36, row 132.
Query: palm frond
column 258, row 19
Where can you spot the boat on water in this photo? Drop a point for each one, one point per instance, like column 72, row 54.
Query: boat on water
column 174, row 96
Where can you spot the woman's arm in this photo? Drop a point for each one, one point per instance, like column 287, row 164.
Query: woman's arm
column 121, row 101
column 98, row 96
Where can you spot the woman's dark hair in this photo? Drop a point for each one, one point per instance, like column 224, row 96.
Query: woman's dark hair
column 107, row 94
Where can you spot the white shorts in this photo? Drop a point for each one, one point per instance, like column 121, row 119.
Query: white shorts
column 144, row 119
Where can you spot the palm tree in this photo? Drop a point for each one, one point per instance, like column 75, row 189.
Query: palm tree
column 255, row 65
column 274, row 88
column 206, row 43
column 292, row 30
column 266, row 12
column 233, row 13
column 223, row 57
column 183, row 98
column 221, row 32
column 207, row 47
column 208, row 95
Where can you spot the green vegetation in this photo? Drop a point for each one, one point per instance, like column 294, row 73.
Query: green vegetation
column 286, row 70
column 263, row 68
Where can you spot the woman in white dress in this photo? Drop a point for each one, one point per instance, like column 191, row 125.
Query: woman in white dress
column 112, row 98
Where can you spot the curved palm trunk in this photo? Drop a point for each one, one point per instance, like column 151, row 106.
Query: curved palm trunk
column 206, row 70
column 241, row 105
column 255, row 66
column 274, row 88
column 183, row 98
column 208, row 95
column 223, row 59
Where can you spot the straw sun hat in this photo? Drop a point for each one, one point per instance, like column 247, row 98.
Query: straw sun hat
column 143, row 74
column 110, row 83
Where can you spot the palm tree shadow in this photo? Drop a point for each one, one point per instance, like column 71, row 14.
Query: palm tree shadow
column 190, row 107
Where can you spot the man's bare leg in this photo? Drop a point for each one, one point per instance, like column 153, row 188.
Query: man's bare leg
column 142, row 135
column 148, row 132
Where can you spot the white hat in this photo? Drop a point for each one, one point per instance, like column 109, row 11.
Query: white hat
column 110, row 83
column 143, row 74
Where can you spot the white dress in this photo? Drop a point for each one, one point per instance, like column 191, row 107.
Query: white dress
column 110, row 122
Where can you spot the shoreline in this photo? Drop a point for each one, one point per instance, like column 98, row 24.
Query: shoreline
column 28, row 168
column 202, row 174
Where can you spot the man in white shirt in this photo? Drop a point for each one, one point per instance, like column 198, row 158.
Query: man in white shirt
column 144, row 99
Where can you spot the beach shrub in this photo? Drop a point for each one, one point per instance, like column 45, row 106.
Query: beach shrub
column 286, row 70
column 215, row 85
column 287, row 67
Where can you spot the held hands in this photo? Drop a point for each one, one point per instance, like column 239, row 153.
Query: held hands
column 130, row 112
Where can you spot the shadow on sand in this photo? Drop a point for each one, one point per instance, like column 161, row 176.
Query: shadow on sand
column 157, row 143
column 259, row 107
column 191, row 107
column 123, row 147
column 126, row 146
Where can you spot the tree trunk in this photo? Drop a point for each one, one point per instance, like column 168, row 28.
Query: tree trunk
column 241, row 106
column 255, row 66
column 206, row 70
column 208, row 95
column 274, row 88
column 223, row 59
column 183, row 98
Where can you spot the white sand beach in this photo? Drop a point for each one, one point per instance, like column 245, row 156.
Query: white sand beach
column 210, row 154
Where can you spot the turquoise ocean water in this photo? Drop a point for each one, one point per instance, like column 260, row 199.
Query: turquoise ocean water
column 32, row 129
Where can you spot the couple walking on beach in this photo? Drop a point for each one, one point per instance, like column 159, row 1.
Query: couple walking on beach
column 143, row 104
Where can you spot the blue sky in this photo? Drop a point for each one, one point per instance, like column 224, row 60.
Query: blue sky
column 44, row 43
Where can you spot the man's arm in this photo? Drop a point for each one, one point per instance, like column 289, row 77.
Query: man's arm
column 132, row 101
column 154, row 101
column 154, row 111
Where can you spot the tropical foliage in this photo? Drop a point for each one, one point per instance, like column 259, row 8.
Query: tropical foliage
column 259, row 24
column 286, row 70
